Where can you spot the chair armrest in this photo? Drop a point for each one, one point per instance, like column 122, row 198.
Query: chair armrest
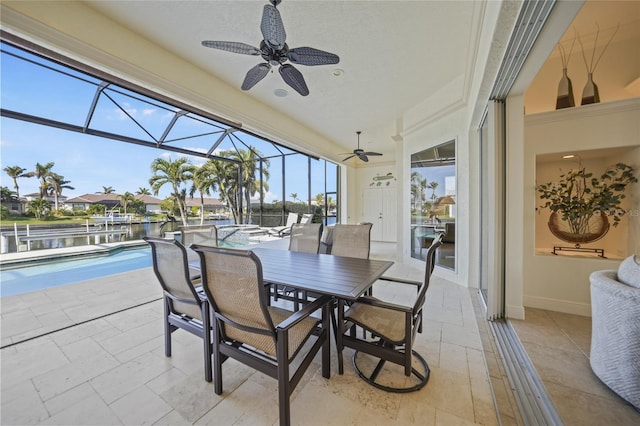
column 401, row 281
column 372, row 301
column 303, row 313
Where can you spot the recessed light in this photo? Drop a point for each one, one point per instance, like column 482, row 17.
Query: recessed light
column 281, row 93
column 337, row 72
column 566, row 157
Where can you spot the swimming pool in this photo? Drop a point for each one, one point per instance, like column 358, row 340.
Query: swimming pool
column 52, row 274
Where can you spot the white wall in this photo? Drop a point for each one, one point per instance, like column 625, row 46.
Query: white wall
column 452, row 127
column 561, row 283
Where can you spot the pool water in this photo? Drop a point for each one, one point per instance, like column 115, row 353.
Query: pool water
column 31, row 278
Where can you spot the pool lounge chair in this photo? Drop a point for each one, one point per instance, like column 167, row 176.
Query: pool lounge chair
column 281, row 231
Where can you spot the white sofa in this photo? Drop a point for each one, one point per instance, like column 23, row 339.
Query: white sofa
column 615, row 333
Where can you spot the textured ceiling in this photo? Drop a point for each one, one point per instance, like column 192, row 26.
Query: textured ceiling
column 393, row 55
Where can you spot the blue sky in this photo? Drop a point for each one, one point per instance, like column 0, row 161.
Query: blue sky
column 89, row 162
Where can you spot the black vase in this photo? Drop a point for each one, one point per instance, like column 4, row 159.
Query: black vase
column 565, row 92
column 590, row 94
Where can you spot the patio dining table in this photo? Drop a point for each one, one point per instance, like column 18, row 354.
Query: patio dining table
column 344, row 278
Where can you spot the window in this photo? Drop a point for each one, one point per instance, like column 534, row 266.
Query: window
column 433, row 201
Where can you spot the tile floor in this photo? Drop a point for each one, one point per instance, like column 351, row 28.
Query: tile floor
column 558, row 345
column 92, row 353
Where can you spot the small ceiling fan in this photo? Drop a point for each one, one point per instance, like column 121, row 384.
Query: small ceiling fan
column 275, row 51
column 361, row 153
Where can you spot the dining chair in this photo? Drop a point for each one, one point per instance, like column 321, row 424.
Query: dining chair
column 246, row 328
column 303, row 238
column 184, row 306
column 351, row 240
column 391, row 329
column 205, row 234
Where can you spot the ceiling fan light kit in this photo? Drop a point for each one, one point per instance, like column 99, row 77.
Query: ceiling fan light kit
column 275, row 51
column 361, row 153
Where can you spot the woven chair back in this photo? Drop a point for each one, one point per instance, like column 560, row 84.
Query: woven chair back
column 171, row 267
column 206, row 235
column 232, row 281
column 351, row 240
column 305, row 237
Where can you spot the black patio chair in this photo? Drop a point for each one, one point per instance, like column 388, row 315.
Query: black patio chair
column 184, row 306
column 246, row 328
column 392, row 329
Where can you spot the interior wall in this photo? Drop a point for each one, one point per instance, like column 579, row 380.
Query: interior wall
column 561, row 283
column 452, row 127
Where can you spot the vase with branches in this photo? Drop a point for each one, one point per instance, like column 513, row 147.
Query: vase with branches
column 579, row 196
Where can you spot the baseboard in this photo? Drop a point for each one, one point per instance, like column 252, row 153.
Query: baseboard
column 557, row 305
column 514, row 312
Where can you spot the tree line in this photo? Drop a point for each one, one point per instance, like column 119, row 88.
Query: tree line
column 183, row 177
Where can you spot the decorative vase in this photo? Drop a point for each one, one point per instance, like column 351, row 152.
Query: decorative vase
column 565, row 92
column 594, row 228
column 590, row 94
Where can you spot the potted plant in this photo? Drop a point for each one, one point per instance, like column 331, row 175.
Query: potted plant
column 583, row 203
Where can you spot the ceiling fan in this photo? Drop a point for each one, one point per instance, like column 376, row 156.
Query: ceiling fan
column 361, row 153
column 275, row 51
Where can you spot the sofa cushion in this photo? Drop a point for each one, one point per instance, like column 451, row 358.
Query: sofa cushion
column 629, row 271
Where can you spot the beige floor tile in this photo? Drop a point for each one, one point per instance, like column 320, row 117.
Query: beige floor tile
column 173, row 418
column 69, row 398
column 119, row 381
column 73, row 374
column 92, row 410
column 21, row 405
column 140, row 407
column 586, row 409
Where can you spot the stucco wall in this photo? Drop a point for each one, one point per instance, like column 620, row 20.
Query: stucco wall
column 561, row 283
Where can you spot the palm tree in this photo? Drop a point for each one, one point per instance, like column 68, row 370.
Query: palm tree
column 175, row 173
column 107, row 190
column 294, row 195
column 222, row 176
column 143, row 191
column 203, row 182
column 39, row 207
column 125, row 199
column 41, row 172
column 55, row 185
column 14, row 173
column 250, row 159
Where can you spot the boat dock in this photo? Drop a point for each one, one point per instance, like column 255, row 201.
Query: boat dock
column 23, row 239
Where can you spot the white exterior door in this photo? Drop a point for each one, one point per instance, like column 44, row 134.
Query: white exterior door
column 379, row 208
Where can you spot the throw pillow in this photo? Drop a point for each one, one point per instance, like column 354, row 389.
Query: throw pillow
column 629, row 271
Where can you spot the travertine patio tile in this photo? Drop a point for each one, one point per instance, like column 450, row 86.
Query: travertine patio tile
column 21, row 405
column 81, row 331
column 82, row 348
column 69, row 398
column 458, row 335
column 91, row 410
column 132, row 337
column 173, row 418
column 73, row 374
column 454, row 358
column 30, row 360
column 444, row 418
column 193, row 397
column 140, row 407
column 166, row 381
column 449, row 391
column 119, row 381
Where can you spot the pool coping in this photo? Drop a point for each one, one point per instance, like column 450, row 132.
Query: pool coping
column 46, row 255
